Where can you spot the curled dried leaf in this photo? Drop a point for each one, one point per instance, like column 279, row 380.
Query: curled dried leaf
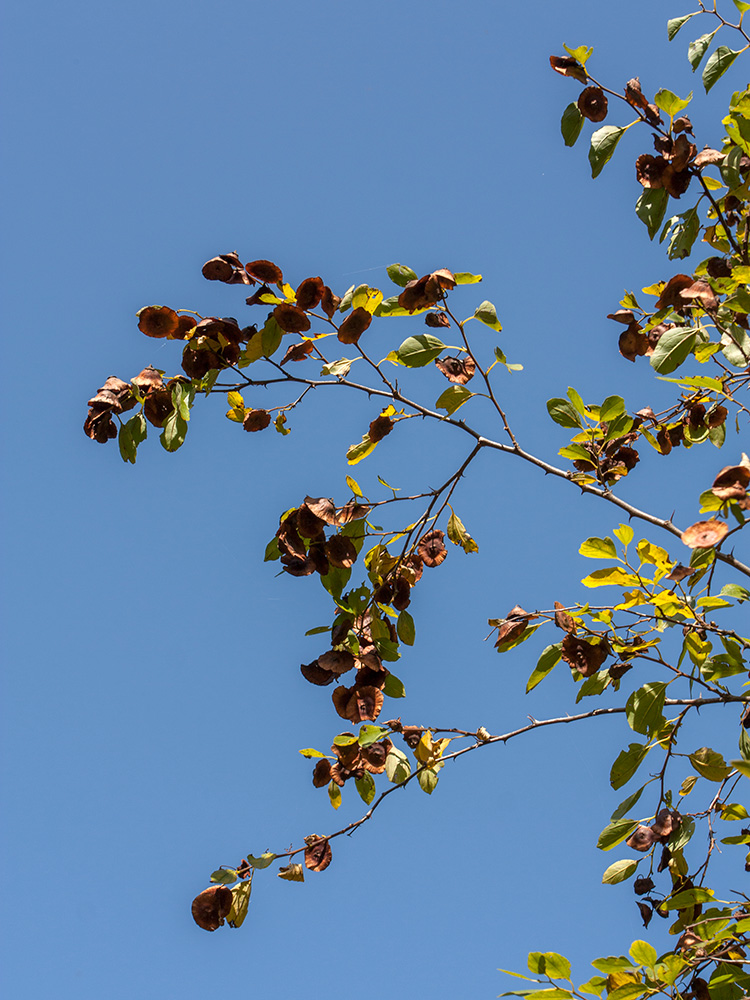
column 568, row 66
column 641, row 839
column 298, row 352
column 315, row 674
column 456, row 370
column 380, row 427
column 211, row 906
column 731, row 483
column 340, row 551
column 563, row 619
column 321, row 773
column 317, row 853
column 583, row 656
column 336, row 661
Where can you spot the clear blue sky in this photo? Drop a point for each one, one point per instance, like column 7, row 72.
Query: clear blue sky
column 153, row 703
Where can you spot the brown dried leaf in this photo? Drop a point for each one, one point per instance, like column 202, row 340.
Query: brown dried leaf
column 666, row 822
column 315, row 674
column 626, row 316
column 340, row 551
column 310, row 293
column 158, row 406
column 583, row 656
column 211, row 906
column 649, row 170
column 329, row 302
column 298, row 352
column 563, row 619
column 321, row 773
column 256, row 420
column 323, row 508
column 337, row 661
column 704, row 534
column 436, row 320
column 291, row 319
column 641, row 839
column 708, row 157
column 731, row 483
column 317, row 853
column 309, row 525
column 265, row 270
column 568, row 66
column 380, row 427
column 456, row 370
column 680, row 572
column 633, row 343
column 354, row 325
column 634, row 95
column 672, row 293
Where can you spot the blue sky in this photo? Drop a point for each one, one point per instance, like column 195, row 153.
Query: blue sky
column 153, row 704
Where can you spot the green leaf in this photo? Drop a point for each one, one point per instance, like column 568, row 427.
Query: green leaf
column 173, row 434
column 272, row 550
column 627, row 804
column 345, row 739
column 338, row 368
column 651, row 208
column 624, row 533
column 603, row 144
column 627, row 763
column 547, row 661
column 644, row 708
column 401, row 275
column 356, row 452
column 709, row 764
column 563, row 412
column 736, row 591
column 683, row 230
column 627, row 992
column 610, row 576
column 598, row 548
column 371, row 734
column 310, row 753
column 271, row 337
column 354, row 486
column 619, row 871
column 643, row 953
column 741, row 6
column 571, row 124
column 486, row 313
column 405, row 628
column 730, row 173
column 240, row 903
column 613, row 963
column 224, row 876
column 673, row 348
column 466, row 278
column 674, row 25
column 397, row 766
column 262, row 862
column 671, row 103
column 615, row 832
column 688, row 898
column 393, row 687
column 556, row 966
column 733, row 811
column 366, row 787
column 717, row 65
column 698, row 48
column 458, row 534
column 452, row 398
column 334, row 794
column 416, row 352
column 294, row 872
column 428, row 780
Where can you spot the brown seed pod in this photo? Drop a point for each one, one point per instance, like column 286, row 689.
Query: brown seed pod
column 265, row 271
column 592, row 104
